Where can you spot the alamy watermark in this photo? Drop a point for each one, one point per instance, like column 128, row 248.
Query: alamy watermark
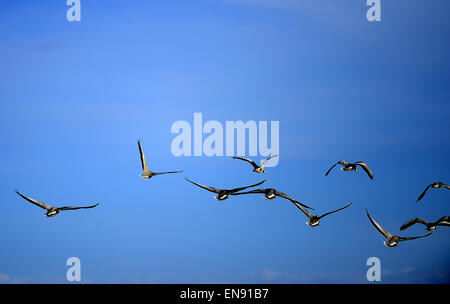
column 73, row 274
column 74, row 11
column 228, row 140
column 374, row 11
column 374, row 272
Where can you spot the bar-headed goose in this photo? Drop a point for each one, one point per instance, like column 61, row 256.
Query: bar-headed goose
column 271, row 194
column 392, row 240
column 51, row 211
column 147, row 174
column 352, row 167
column 430, row 226
column 314, row 220
column 223, row 194
column 256, row 168
column 435, row 185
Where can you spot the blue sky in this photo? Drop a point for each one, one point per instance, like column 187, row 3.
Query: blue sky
column 76, row 96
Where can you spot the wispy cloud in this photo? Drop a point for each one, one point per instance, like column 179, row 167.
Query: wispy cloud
column 4, row 278
column 269, row 274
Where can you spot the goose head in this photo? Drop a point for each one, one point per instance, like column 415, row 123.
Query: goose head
column 222, row 195
column 313, row 222
column 391, row 243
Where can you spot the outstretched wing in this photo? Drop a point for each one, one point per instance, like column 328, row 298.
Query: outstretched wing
column 413, row 222
column 267, row 159
column 143, row 161
column 250, row 192
column 423, row 193
column 75, row 208
column 255, row 166
column 378, row 227
column 328, row 213
column 284, row 195
column 407, row 238
column 35, row 202
column 159, row 173
column 242, row 188
column 212, row 189
column 340, row 162
column 365, row 168
column 299, row 206
column 445, row 186
column 443, row 221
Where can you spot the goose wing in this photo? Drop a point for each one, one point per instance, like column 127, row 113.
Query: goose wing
column 342, row 162
column 299, row 206
column 284, row 195
column 242, row 188
column 365, row 168
column 378, row 227
column 159, row 173
column 445, row 186
column 443, row 221
column 328, row 213
column 250, row 192
column 143, row 160
column 212, row 189
column 267, row 159
column 75, row 208
column 35, row 202
column 255, row 166
column 413, row 222
column 408, row 238
column 423, row 193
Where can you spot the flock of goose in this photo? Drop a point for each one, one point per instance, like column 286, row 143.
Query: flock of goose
column 271, row 194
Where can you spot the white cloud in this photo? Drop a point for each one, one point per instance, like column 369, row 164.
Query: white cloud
column 408, row 269
column 4, row 277
column 269, row 274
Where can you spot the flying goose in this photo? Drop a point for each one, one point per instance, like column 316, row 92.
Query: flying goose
column 147, row 174
column 352, row 166
column 271, row 194
column 256, row 168
column 221, row 193
column 51, row 211
column 435, row 185
column 392, row 240
column 314, row 220
column 431, row 226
